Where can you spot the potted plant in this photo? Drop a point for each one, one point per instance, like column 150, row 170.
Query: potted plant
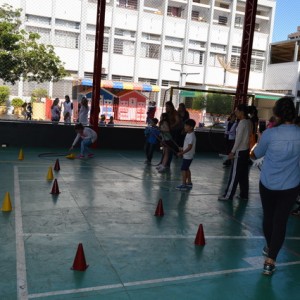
column 38, row 106
column 17, row 103
column 4, row 96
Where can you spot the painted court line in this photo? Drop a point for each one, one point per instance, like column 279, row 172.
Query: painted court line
column 20, row 249
column 154, row 281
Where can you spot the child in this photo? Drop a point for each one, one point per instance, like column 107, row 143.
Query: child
column 87, row 136
column 164, row 126
column 67, row 118
column 28, row 111
column 188, row 152
column 102, row 121
column 111, row 122
column 68, row 107
column 151, row 133
column 55, row 111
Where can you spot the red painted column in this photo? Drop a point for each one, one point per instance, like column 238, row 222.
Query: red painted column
column 94, row 116
column 246, row 51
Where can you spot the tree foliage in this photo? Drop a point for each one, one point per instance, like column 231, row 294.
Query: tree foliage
column 38, row 93
column 21, row 55
column 199, row 103
column 4, row 95
column 219, row 104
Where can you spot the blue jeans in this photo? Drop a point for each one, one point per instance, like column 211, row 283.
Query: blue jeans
column 84, row 146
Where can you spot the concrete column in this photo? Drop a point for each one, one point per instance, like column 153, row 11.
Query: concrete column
column 82, row 38
column 111, row 42
column 296, row 50
column 138, row 41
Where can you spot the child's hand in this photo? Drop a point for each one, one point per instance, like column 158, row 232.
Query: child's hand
column 179, row 154
column 180, row 149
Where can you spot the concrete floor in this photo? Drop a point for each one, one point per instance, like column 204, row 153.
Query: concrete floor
column 107, row 203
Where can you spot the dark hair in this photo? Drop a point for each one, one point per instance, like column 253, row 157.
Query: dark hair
column 182, row 105
column 67, row 97
column 243, row 108
column 285, row 110
column 79, row 126
column 190, row 122
column 171, row 105
column 154, row 121
column 164, row 118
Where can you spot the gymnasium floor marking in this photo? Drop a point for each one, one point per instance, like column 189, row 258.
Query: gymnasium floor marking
column 20, row 249
column 155, row 281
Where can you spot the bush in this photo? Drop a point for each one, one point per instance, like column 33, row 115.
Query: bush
column 37, row 94
column 199, row 103
column 17, row 102
column 4, row 95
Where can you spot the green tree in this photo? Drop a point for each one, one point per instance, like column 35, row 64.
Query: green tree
column 38, row 93
column 199, row 102
column 219, row 104
column 4, row 95
column 21, row 55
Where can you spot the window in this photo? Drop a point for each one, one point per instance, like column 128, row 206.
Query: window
column 150, row 50
column 223, row 20
column 257, row 65
column 214, row 59
column 174, row 11
column 66, row 39
column 38, row 19
column 195, row 57
column 238, row 22
column 174, row 41
column 198, row 16
column 218, row 47
column 43, row 33
column 236, row 50
column 124, row 47
column 258, row 53
column 173, row 53
column 130, row 4
column 150, row 36
column 169, row 83
column 257, row 27
column 90, row 75
column 235, row 62
column 90, row 43
column 224, row 5
column 126, row 33
column 67, row 24
column 121, row 78
column 197, row 44
column 147, row 80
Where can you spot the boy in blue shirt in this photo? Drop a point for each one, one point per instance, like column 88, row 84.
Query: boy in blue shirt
column 151, row 133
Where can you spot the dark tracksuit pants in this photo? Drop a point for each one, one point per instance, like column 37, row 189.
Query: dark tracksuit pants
column 239, row 174
column 277, row 206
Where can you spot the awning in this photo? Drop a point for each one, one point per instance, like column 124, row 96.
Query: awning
column 108, row 84
column 267, row 97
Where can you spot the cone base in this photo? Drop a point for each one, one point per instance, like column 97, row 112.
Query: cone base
column 74, row 269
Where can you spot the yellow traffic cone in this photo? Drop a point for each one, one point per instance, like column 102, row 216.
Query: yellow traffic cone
column 50, row 174
column 21, row 155
column 6, row 205
column 71, row 156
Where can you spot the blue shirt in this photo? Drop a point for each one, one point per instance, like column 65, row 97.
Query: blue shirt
column 152, row 133
column 281, row 148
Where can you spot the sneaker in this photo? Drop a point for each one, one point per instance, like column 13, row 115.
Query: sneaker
column 265, row 251
column 269, row 269
column 296, row 212
column 189, row 185
column 161, row 169
column 80, row 156
column 90, row 155
column 181, row 187
column 222, row 198
column 158, row 167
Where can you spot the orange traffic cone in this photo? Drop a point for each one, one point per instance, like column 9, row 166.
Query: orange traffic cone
column 200, row 239
column 55, row 189
column 50, row 174
column 6, row 205
column 21, row 155
column 79, row 263
column 159, row 212
column 57, row 166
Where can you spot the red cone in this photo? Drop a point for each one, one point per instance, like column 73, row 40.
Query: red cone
column 55, row 189
column 200, row 239
column 57, row 166
column 79, row 263
column 159, row 212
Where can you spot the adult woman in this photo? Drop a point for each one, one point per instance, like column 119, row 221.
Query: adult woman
column 240, row 156
column 183, row 116
column 68, row 108
column 55, row 111
column 83, row 112
column 279, row 178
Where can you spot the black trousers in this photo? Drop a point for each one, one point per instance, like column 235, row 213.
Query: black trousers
column 149, row 149
column 277, row 206
column 239, row 175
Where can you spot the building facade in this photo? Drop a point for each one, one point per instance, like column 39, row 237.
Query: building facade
column 171, row 42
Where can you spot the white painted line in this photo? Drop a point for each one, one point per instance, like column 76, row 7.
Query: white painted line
column 20, row 249
column 154, row 281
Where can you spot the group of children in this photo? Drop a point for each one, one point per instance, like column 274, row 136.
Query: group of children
column 162, row 134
